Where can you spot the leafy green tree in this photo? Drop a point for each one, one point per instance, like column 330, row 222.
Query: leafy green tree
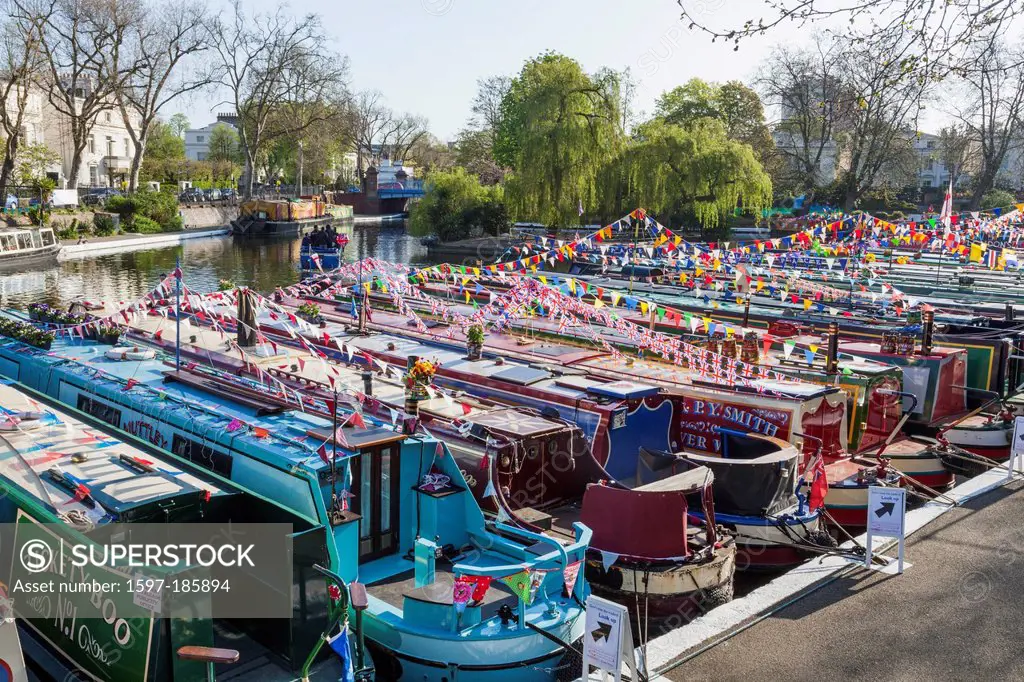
column 33, row 162
column 734, row 104
column 164, row 143
column 224, row 143
column 559, row 126
column 179, row 123
column 697, row 170
column 455, row 206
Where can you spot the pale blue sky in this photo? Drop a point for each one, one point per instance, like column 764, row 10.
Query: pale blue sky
column 426, row 55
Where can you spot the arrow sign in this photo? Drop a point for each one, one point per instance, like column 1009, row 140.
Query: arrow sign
column 885, row 508
column 602, row 632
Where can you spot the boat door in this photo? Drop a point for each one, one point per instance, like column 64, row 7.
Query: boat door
column 376, row 469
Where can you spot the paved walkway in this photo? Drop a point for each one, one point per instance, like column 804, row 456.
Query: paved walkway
column 955, row 614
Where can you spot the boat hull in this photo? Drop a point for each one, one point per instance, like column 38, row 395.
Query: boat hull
column 666, row 596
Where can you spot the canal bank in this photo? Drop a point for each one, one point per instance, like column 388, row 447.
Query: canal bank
column 97, row 246
column 951, row 615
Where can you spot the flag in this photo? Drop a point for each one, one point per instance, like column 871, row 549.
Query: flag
column 322, row 451
column 339, row 643
column 569, row 575
column 519, row 583
column 819, row 485
column 947, row 208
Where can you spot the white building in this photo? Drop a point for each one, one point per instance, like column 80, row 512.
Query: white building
column 197, row 140
column 106, row 160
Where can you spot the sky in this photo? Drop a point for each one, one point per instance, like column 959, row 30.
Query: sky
column 426, row 56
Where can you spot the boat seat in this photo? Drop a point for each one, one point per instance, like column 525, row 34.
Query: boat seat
column 694, row 479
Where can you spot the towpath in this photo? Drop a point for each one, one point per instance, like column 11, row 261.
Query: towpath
column 953, row 615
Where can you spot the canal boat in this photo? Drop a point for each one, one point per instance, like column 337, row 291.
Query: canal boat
column 534, row 470
column 63, row 469
column 389, row 508
column 23, row 246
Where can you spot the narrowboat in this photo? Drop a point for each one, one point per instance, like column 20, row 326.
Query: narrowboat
column 388, row 507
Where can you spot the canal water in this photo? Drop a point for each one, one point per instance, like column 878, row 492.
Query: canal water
column 260, row 263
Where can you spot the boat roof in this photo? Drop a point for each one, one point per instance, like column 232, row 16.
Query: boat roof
column 291, row 433
column 113, row 472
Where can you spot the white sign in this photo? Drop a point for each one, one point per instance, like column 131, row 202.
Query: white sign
column 887, row 513
column 607, row 639
column 1016, row 447
column 887, row 509
column 146, row 592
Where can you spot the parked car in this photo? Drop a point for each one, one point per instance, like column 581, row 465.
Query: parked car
column 228, row 194
column 213, row 195
column 192, row 195
column 99, row 196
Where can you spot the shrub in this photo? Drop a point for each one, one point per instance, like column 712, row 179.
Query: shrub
column 997, row 198
column 104, row 224
column 144, row 225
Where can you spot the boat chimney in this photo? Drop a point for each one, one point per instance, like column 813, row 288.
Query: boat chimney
column 1009, row 311
column 362, row 314
column 367, row 382
column 246, row 317
column 746, row 311
column 928, row 329
column 832, row 359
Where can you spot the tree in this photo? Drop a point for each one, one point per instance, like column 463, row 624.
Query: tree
column 34, row 160
column 937, row 36
column 486, row 105
column 696, row 170
column 152, row 62
column 164, row 143
column 991, row 93
column 179, row 123
column 734, row 104
column 82, row 41
column 276, row 67
column 372, row 118
column 223, row 143
column 430, row 155
column 21, row 63
column 805, row 86
column 957, row 152
column 849, row 106
column 474, row 151
column 559, row 127
column 455, row 206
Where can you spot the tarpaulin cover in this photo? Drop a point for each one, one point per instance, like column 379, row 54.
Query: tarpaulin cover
column 633, row 523
column 753, row 487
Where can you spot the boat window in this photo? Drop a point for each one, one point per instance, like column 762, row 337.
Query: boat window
column 385, row 490
column 24, row 241
column 202, row 455
column 47, row 237
column 366, row 510
column 101, row 411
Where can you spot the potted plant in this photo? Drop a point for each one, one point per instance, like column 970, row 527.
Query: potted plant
column 474, row 341
column 226, row 285
column 417, row 378
column 310, row 312
column 109, row 335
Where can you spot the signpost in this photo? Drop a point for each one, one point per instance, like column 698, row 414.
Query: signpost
column 887, row 514
column 607, row 640
column 1016, row 447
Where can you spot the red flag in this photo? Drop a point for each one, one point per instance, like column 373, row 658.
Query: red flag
column 331, row 406
column 357, row 420
column 322, row 451
column 158, row 334
column 128, row 386
column 819, row 485
column 466, row 409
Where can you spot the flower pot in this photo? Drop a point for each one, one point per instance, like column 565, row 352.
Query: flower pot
column 474, row 351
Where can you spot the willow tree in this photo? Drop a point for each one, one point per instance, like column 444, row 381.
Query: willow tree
column 699, row 169
column 558, row 128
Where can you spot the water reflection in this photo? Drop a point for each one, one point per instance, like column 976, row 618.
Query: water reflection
column 263, row 264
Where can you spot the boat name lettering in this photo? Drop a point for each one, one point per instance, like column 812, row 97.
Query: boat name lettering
column 146, row 431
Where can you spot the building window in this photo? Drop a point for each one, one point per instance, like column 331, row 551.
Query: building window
column 931, row 144
column 110, row 146
column 106, row 116
column 23, row 136
column 92, row 144
column 126, row 152
column 200, row 156
column 200, row 138
column 94, row 176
